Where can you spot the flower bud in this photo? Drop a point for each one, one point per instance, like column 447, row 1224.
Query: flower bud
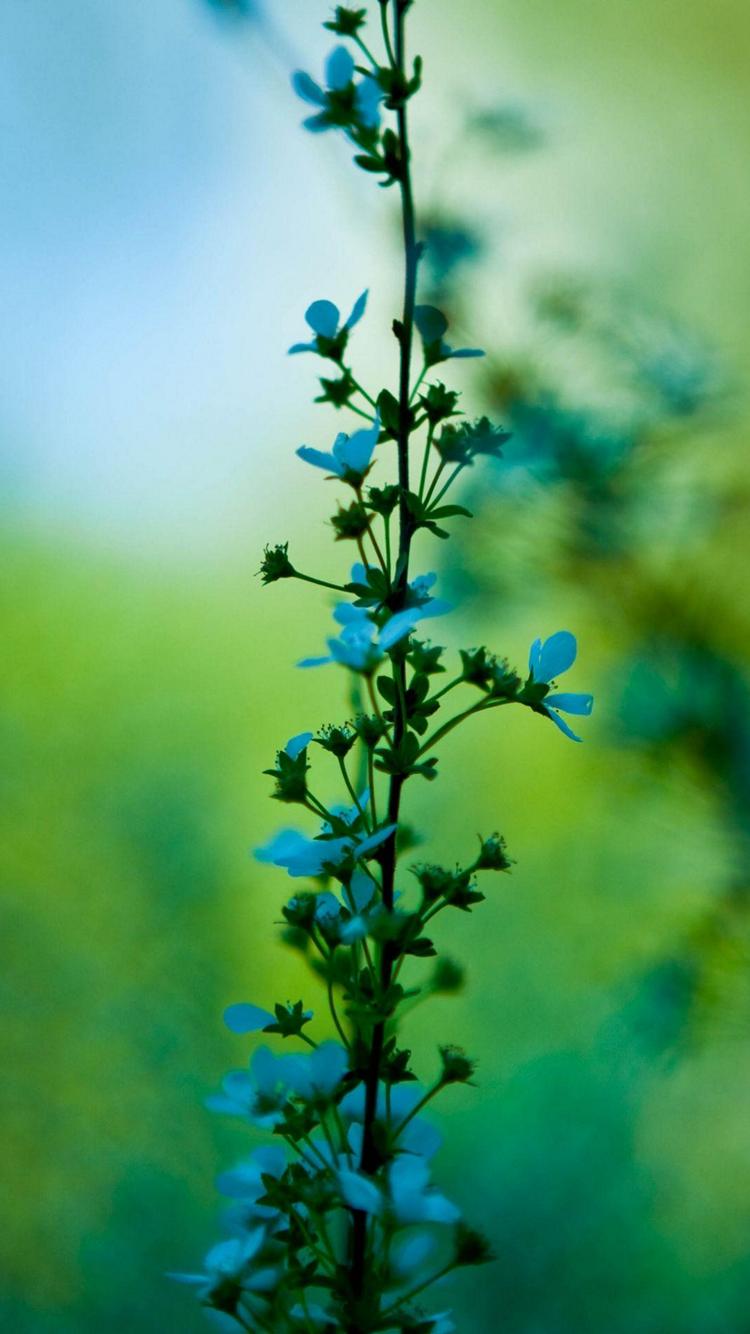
column 492, row 855
column 458, row 1068
column 276, row 564
column 472, row 1247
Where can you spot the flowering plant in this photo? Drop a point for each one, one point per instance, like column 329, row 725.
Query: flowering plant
column 337, row 1225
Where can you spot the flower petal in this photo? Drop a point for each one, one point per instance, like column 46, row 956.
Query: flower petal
column 319, row 459
column 360, row 1193
column 422, row 584
column 561, row 723
column 435, row 607
column 368, row 97
column 246, row 1018
column 297, row 744
column 361, row 890
column 356, row 451
column 557, row 655
column 571, row 703
column 397, row 626
column 323, row 318
column 327, row 1065
column 284, row 844
column 411, row 1253
column 358, row 310
column 306, row 88
column 348, row 615
column 318, row 124
column 339, row 68
column 369, row 844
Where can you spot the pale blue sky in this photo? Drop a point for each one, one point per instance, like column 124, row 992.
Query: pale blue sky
column 164, row 222
column 161, row 218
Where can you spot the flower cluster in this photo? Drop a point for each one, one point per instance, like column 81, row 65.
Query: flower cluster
column 337, row 1224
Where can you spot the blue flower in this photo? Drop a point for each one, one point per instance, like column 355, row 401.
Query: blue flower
column 323, row 318
column 227, row 1270
column 360, row 1192
column 432, row 326
column 361, row 646
column 303, row 856
column 245, row 1018
column 548, row 660
column 342, row 103
column 417, row 1137
column 316, row 1075
column 351, row 454
column 297, row 744
column 258, row 1095
column 413, row 1199
column 362, row 902
column 244, row 1182
column 410, row 1252
column 352, row 919
column 410, row 1196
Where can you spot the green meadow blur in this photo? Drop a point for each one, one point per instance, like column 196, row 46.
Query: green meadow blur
column 589, row 164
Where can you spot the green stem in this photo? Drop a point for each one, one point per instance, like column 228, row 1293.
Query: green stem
column 371, row 782
column 386, row 33
column 418, row 384
column 387, row 527
column 352, row 793
column 426, row 460
column 322, row 1259
column 374, row 540
column 360, row 413
column 316, row 1151
column 366, row 51
column 438, row 474
column 449, row 483
column 409, row 1296
column 417, row 1109
column 361, row 390
column 316, row 807
column 374, row 702
column 321, row 583
column 388, row 856
column 453, row 722
column 450, row 686
column 335, row 1016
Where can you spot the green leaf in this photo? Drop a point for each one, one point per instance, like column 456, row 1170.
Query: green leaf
column 449, row 511
column 387, row 688
column 390, row 414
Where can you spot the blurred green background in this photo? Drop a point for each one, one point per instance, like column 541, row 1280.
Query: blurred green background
column 165, row 223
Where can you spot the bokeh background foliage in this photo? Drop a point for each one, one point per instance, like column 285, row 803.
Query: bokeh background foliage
column 583, row 179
